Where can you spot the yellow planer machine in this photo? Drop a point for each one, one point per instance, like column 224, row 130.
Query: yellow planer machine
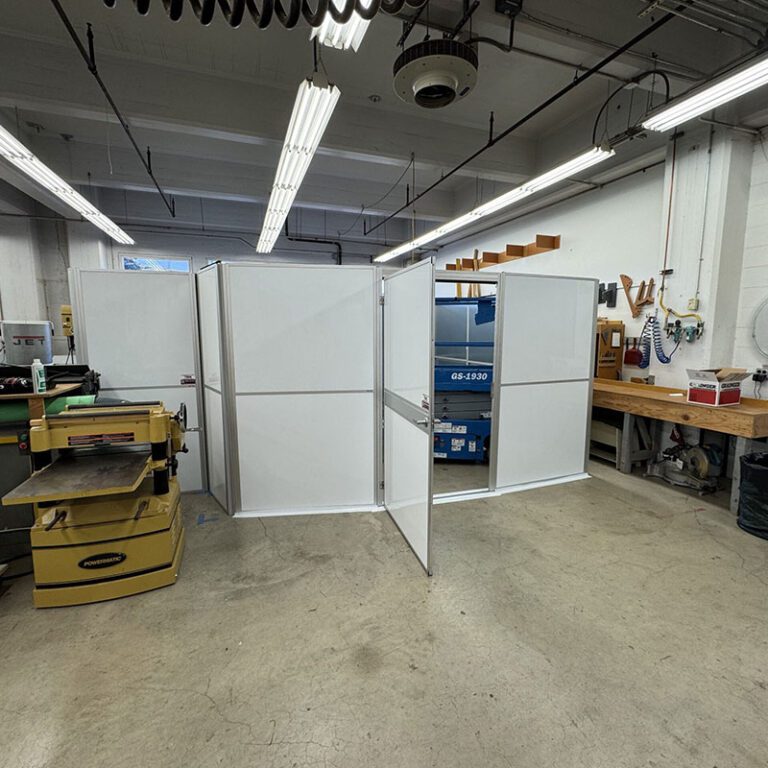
column 106, row 499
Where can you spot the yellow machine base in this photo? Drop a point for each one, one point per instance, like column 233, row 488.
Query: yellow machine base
column 80, row 594
column 107, row 548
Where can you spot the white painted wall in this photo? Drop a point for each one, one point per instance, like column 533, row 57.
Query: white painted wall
column 754, row 273
column 621, row 228
column 605, row 232
column 21, row 286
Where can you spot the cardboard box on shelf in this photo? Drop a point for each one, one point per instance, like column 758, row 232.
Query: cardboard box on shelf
column 716, row 386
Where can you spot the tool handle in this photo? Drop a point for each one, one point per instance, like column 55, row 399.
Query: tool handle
column 57, row 518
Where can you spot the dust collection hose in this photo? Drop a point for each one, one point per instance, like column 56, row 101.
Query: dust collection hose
column 234, row 10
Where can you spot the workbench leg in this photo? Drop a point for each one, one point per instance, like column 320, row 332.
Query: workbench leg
column 625, row 453
column 741, row 447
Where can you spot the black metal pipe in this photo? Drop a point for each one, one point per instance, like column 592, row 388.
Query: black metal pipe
column 318, row 240
column 522, row 121
column 90, row 61
column 409, row 25
column 468, row 12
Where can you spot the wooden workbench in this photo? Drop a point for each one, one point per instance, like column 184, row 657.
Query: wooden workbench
column 746, row 421
column 36, row 401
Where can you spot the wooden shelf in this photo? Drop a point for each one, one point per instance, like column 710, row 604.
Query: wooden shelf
column 35, row 399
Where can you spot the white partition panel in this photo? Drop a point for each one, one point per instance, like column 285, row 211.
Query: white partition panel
column 312, row 328
column 210, row 327
column 136, row 328
column 542, row 395
column 408, row 482
column 217, row 470
column 408, row 319
column 544, row 431
column 305, row 453
column 409, row 300
column 550, row 323
column 139, row 331
column 208, row 308
column 302, row 366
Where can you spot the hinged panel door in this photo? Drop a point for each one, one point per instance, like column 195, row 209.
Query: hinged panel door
column 409, row 303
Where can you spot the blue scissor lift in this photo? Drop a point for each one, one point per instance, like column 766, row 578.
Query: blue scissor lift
column 463, row 391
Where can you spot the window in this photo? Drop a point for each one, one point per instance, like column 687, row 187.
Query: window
column 145, row 263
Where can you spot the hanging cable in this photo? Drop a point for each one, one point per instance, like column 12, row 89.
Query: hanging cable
column 233, row 11
column 364, row 208
column 634, row 82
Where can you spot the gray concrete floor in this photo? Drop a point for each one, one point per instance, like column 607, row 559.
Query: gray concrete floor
column 610, row 622
column 456, row 476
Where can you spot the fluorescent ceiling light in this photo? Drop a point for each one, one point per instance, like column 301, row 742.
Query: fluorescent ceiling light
column 342, row 36
column 15, row 152
column 710, row 97
column 311, row 112
column 578, row 164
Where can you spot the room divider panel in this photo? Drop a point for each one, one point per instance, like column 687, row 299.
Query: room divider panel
column 542, row 388
column 409, row 343
column 209, row 313
column 318, row 399
column 299, row 379
column 153, row 355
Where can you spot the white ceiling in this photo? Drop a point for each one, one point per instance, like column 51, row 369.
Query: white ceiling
column 214, row 102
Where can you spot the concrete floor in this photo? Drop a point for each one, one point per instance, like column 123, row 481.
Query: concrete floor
column 610, row 622
column 456, row 476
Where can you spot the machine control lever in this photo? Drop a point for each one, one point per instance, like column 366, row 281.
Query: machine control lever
column 57, row 518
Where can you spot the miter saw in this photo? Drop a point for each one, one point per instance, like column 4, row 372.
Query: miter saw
column 691, row 466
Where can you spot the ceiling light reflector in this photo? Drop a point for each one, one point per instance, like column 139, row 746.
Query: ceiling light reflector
column 15, row 152
column 312, row 110
column 562, row 172
column 710, row 97
column 341, row 36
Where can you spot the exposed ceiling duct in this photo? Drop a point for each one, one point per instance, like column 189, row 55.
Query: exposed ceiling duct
column 288, row 14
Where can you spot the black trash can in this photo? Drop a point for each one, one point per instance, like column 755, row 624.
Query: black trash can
column 753, row 494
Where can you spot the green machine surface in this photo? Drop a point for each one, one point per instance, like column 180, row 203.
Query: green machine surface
column 17, row 411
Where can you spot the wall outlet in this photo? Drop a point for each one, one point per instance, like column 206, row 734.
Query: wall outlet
column 693, row 304
column 760, row 375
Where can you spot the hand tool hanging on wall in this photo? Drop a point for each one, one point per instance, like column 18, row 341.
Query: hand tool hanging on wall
column 644, row 294
column 626, row 283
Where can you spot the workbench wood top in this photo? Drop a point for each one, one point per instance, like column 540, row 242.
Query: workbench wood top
column 747, row 419
column 57, row 391
column 78, row 476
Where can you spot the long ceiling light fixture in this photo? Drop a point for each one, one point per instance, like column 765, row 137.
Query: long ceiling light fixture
column 564, row 171
column 15, row 152
column 341, row 36
column 312, row 110
column 706, row 99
